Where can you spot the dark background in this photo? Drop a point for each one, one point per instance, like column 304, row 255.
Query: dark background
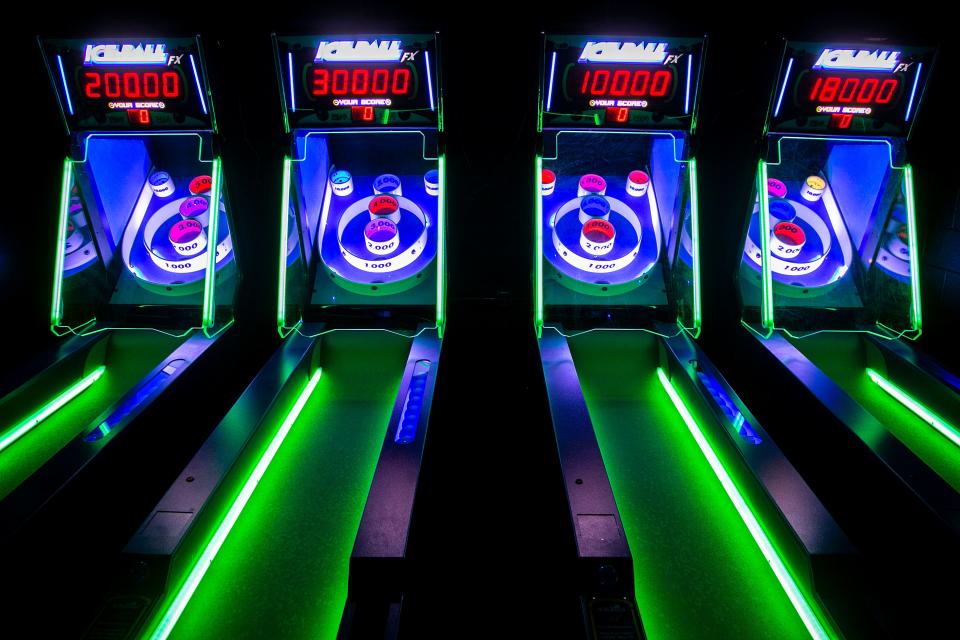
column 490, row 505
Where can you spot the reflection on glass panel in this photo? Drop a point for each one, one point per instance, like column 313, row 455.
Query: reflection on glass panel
column 837, row 237
column 616, row 235
column 362, row 226
column 140, row 230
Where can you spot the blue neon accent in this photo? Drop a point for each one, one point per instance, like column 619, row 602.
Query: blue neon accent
column 66, row 91
column 729, row 408
column 410, row 415
column 429, row 80
column 293, row 97
column 196, row 76
column 553, row 66
column 913, row 92
column 143, row 393
column 783, row 88
column 686, row 101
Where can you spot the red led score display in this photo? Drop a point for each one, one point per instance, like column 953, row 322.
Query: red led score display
column 131, row 85
column 360, row 82
column 624, row 83
column 618, row 115
column 851, row 90
column 362, row 114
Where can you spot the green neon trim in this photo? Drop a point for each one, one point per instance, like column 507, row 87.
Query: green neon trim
column 423, row 139
column 814, row 625
column 48, row 409
column 608, row 132
column 836, row 139
column 946, row 430
column 56, row 306
column 766, row 295
column 538, row 248
column 209, row 282
column 916, row 315
column 284, row 231
column 695, row 240
column 190, row 584
column 442, row 245
column 144, row 134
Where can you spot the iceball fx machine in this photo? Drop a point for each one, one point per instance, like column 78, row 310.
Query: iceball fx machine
column 361, row 309
column 830, row 292
column 830, row 257
column 662, row 462
column 145, row 269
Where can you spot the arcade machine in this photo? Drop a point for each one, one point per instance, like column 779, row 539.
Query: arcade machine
column 687, row 517
column 831, row 292
column 303, row 495
column 144, row 274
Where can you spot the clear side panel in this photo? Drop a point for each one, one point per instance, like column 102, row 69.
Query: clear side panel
column 750, row 275
column 838, row 236
column 139, row 232
column 362, row 222
column 616, row 230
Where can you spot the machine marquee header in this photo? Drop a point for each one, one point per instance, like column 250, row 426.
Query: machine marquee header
column 630, row 52
column 858, row 60
column 359, row 51
column 123, row 53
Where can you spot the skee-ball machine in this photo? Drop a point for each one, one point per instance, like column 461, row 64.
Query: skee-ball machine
column 830, row 292
column 663, row 464
column 145, row 271
column 304, row 493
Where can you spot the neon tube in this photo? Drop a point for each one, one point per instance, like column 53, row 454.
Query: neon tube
column 209, row 285
column 695, row 242
column 190, row 584
column 766, row 285
column 553, row 66
column 922, row 412
column 48, row 409
column 538, row 249
column 442, row 245
column 284, row 233
column 783, row 88
column 916, row 311
column 810, row 620
column 196, row 77
column 56, row 307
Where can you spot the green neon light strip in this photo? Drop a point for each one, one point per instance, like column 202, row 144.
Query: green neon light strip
column 209, row 282
column 766, row 296
column 695, row 239
column 284, row 231
column 56, row 307
column 442, row 245
column 189, row 586
column 916, row 315
column 538, row 249
column 815, row 627
column 925, row 414
column 48, row 409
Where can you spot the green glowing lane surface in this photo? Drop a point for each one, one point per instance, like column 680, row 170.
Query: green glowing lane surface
column 129, row 356
column 843, row 358
column 698, row 572
column 282, row 572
